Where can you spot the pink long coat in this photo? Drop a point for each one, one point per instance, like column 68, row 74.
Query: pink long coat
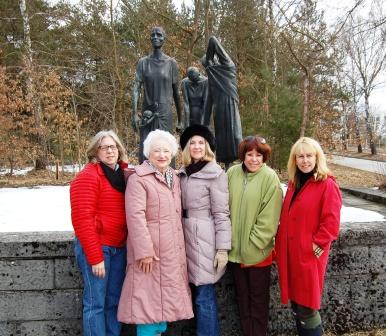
column 313, row 217
column 153, row 213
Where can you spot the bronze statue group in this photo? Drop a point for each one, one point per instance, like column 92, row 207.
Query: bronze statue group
column 152, row 241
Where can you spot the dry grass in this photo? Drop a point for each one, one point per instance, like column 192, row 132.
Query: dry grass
column 380, row 332
column 350, row 177
column 34, row 178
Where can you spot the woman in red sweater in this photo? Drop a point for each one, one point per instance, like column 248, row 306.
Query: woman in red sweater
column 98, row 217
column 309, row 222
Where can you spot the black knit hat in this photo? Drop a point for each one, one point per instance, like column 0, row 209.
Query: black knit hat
column 200, row 130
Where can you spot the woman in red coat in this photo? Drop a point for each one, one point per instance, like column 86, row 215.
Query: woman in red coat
column 309, row 222
column 98, row 217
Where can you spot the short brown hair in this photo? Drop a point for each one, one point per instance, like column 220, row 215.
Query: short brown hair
column 252, row 142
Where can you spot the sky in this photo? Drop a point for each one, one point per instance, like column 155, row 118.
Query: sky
column 47, row 208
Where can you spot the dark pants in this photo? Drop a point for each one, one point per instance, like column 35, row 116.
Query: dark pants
column 252, row 294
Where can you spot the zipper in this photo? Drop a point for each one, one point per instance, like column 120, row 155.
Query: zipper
column 239, row 212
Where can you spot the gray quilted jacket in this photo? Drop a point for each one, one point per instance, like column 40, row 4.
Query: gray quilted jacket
column 207, row 227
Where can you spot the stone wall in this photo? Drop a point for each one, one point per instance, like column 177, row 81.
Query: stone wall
column 40, row 287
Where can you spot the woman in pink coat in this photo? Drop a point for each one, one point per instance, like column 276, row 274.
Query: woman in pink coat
column 309, row 222
column 155, row 290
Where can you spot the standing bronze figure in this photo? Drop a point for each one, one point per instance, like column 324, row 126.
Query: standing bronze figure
column 158, row 74
column 194, row 91
column 223, row 100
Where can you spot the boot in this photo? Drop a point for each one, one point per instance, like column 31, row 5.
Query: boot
column 317, row 331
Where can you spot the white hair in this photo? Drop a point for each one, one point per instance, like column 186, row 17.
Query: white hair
column 158, row 135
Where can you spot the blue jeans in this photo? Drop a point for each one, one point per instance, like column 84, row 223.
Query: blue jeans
column 206, row 311
column 151, row 329
column 101, row 295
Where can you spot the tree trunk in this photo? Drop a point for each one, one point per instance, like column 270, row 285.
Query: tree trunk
column 368, row 126
column 78, row 138
column 306, row 86
column 41, row 160
column 208, row 19
column 193, row 41
column 357, row 133
column 11, row 166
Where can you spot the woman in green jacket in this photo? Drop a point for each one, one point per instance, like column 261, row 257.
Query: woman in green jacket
column 255, row 199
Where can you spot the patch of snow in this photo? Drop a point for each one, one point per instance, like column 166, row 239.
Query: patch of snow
column 23, row 171
column 355, row 215
column 16, row 171
column 67, row 168
column 43, row 208
column 47, row 208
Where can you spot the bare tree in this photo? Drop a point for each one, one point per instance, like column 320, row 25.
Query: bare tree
column 366, row 51
column 41, row 160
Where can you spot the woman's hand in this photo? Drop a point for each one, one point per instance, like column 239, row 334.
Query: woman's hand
column 318, row 251
column 99, row 269
column 220, row 260
column 146, row 264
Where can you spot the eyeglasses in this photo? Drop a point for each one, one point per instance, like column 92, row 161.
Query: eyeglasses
column 106, row 148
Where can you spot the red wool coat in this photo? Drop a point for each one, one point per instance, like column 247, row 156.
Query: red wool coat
column 313, row 217
column 97, row 212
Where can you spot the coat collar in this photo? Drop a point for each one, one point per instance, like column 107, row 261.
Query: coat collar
column 248, row 175
column 123, row 165
column 210, row 171
column 145, row 169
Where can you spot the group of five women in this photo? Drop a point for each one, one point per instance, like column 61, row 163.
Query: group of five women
column 144, row 234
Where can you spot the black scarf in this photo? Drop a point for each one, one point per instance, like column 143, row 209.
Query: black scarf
column 301, row 181
column 195, row 167
column 115, row 177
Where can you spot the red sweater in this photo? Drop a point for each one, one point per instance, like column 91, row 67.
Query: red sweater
column 97, row 212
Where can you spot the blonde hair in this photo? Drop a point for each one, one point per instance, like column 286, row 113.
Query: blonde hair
column 187, row 159
column 307, row 145
column 96, row 141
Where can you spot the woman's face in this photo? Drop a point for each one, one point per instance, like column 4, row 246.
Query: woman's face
column 253, row 160
column 197, row 148
column 160, row 155
column 305, row 161
column 157, row 38
column 108, row 152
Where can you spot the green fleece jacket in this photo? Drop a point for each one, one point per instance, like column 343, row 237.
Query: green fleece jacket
column 255, row 203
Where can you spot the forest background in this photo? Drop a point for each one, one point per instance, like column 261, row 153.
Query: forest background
column 66, row 70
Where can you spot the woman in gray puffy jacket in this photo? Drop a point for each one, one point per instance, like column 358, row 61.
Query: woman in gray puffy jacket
column 207, row 228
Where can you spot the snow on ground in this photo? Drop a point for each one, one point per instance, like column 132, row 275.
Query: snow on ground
column 355, row 215
column 24, row 171
column 44, row 208
column 47, row 208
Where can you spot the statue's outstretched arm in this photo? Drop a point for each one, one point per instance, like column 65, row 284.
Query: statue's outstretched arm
column 176, row 97
column 184, row 91
column 208, row 108
column 134, row 102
